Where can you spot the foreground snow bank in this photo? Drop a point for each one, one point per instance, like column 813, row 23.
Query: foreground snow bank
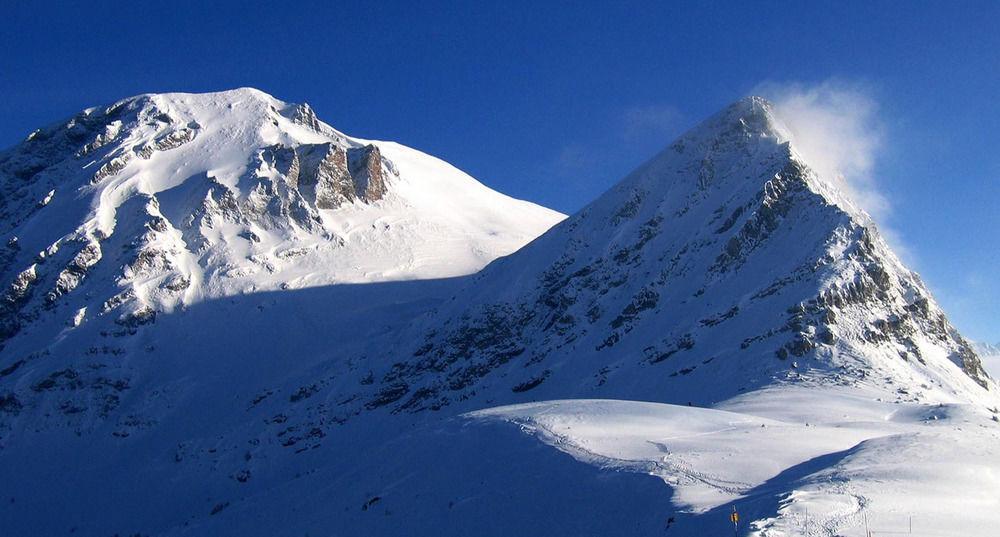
column 884, row 462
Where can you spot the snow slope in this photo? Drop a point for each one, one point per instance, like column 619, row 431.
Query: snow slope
column 788, row 363
column 857, row 459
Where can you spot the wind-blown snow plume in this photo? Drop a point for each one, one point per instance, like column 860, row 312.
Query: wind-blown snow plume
column 836, row 128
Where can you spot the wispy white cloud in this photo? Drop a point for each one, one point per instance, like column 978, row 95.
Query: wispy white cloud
column 836, row 127
column 645, row 128
column 659, row 122
column 575, row 157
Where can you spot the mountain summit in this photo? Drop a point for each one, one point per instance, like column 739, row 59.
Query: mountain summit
column 160, row 201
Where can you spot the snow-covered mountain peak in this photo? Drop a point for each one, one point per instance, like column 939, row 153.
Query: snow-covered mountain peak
column 162, row 200
column 753, row 114
column 747, row 133
column 724, row 264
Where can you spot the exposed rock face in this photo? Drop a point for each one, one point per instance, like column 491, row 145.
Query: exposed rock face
column 332, row 175
column 167, row 141
column 70, row 277
column 13, row 300
column 367, row 170
column 275, row 201
column 325, row 170
column 304, row 115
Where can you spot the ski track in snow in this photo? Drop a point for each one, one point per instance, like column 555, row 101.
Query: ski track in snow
column 613, row 435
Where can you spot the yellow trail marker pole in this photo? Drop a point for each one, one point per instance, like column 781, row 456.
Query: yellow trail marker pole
column 735, row 518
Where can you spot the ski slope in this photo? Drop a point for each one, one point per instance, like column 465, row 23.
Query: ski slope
column 820, row 471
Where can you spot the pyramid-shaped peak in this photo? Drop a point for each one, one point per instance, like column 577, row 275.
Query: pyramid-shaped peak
column 740, row 147
column 753, row 102
column 752, row 116
column 725, row 252
column 751, row 105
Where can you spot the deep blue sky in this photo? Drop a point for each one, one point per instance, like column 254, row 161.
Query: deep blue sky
column 554, row 103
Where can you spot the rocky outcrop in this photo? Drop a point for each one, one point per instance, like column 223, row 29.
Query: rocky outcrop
column 368, row 172
column 170, row 140
column 327, row 175
column 304, row 115
column 76, row 271
column 325, row 172
column 13, row 300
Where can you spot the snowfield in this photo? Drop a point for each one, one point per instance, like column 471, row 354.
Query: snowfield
column 857, row 459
